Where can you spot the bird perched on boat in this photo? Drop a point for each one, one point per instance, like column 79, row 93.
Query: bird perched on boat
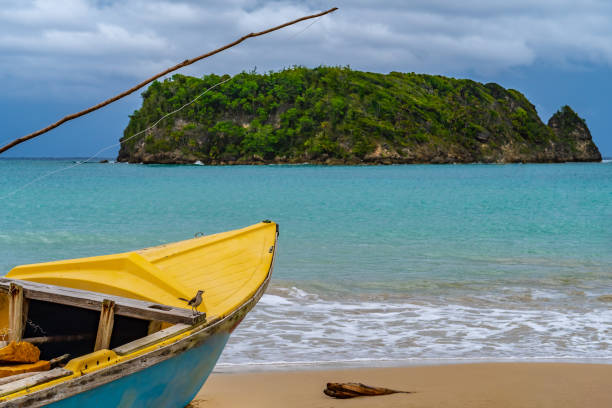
column 194, row 302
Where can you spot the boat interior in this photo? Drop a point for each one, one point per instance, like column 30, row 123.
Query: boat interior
column 72, row 329
column 58, row 329
column 70, row 321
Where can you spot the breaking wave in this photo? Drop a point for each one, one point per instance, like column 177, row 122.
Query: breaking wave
column 291, row 326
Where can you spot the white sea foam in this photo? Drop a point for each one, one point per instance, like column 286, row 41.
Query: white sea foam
column 293, row 326
column 274, row 300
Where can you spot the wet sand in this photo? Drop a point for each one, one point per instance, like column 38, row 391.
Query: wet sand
column 499, row 385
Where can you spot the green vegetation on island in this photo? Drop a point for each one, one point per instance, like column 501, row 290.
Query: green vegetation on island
column 337, row 115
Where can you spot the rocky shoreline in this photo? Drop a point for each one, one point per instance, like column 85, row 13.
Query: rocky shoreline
column 337, row 162
column 336, row 116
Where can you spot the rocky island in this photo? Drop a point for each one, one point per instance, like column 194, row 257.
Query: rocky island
column 335, row 115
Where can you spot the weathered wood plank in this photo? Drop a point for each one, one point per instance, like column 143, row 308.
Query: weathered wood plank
column 58, row 360
column 17, row 307
column 105, row 326
column 16, row 377
column 33, row 380
column 93, row 301
column 152, row 338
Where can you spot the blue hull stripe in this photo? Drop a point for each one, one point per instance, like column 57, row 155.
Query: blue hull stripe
column 170, row 384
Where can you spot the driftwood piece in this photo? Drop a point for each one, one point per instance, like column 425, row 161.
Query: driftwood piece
column 58, row 360
column 352, row 390
column 153, row 78
column 105, row 326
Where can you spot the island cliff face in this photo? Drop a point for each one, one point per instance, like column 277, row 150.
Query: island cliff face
column 336, row 115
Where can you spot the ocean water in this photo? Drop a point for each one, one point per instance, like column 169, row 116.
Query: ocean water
column 378, row 265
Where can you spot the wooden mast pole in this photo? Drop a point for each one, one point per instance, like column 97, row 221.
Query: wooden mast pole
column 153, row 78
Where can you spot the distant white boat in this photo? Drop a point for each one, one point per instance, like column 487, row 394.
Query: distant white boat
column 198, row 163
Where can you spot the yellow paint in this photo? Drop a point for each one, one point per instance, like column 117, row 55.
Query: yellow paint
column 92, row 361
column 228, row 266
column 19, row 352
column 6, row 371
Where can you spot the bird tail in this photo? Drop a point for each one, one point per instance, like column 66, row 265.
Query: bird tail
column 184, row 300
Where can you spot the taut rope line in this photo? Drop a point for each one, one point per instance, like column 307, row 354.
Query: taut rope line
column 78, row 163
column 153, row 78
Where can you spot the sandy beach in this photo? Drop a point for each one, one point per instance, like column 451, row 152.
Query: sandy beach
column 500, row 385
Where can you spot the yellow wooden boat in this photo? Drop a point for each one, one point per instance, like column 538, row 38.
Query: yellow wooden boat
column 132, row 341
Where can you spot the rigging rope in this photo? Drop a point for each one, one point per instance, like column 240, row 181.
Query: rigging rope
column 78, row 163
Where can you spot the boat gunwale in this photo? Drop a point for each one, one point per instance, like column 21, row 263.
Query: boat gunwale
column 140, row 361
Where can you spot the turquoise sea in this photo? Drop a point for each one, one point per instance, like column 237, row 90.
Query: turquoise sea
column 376, row 263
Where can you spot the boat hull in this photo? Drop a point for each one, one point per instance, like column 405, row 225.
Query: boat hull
column 172, row 383
column 165, row 376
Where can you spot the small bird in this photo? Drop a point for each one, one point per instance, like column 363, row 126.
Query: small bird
column 194, row 302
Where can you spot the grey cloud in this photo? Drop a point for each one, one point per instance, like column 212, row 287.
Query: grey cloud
column 77, row 42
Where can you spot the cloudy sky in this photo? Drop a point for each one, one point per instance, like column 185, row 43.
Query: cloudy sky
column 57, row 57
